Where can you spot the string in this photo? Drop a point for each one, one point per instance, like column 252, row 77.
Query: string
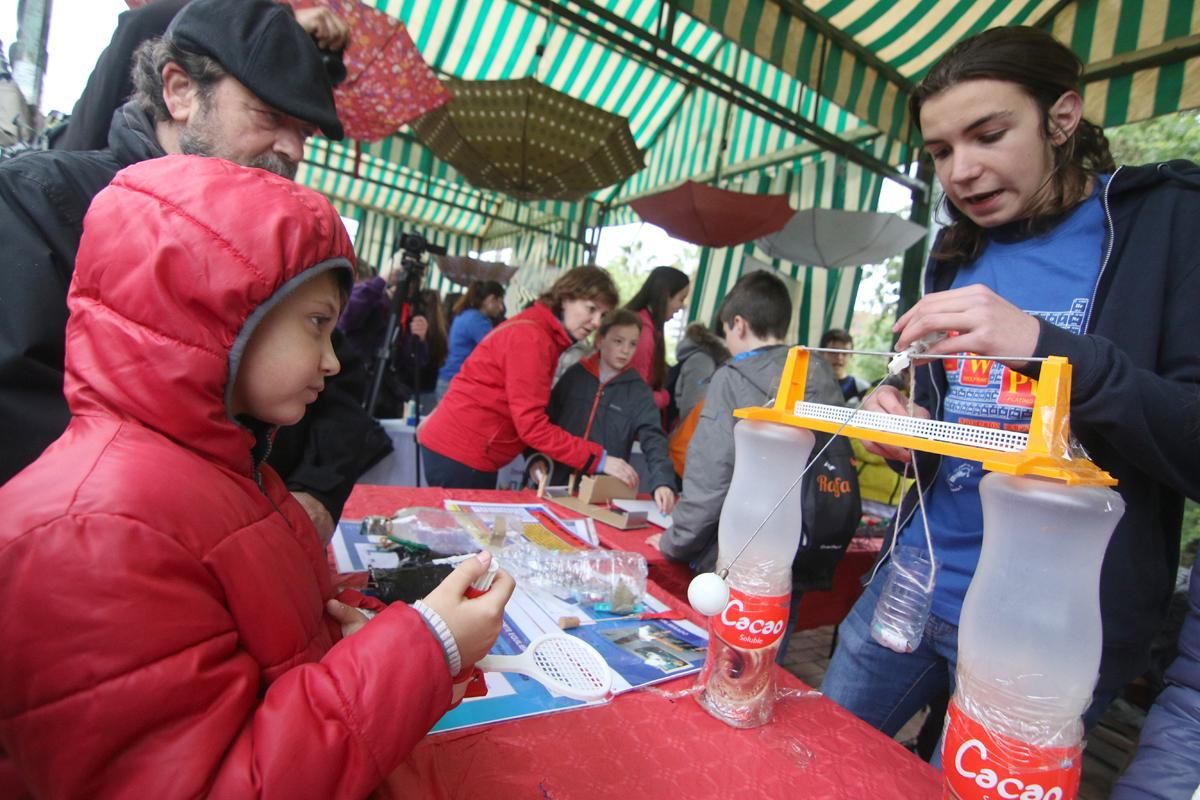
column 920, row 356
column 724, row 573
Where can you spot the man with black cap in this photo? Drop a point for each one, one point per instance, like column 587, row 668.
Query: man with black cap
column 111, row 84
column 236, row 79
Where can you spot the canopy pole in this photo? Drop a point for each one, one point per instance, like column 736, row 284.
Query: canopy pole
column 914, row 257
column 720, row 158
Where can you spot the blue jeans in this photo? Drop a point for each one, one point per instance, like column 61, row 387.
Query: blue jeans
column 884, row 688
column 879, row 686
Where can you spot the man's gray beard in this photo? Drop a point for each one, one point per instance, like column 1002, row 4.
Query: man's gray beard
column 194, row 141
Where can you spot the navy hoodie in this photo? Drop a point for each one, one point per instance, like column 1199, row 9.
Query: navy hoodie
column 1135, row 394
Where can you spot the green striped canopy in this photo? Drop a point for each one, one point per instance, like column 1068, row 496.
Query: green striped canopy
column 807, row 97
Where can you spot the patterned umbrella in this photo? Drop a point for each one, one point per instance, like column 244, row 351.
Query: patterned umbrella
column 387, row 82
column 704, row 215
column 463, row 269
column 527, row 140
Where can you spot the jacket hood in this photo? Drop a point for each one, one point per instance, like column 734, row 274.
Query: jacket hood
column 132, row 137
column 1131, row 179
column 686, row 347
column 541, row 314
column 591, row 363
column 181, row 257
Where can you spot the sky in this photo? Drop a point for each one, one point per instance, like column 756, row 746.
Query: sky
column 79, row 30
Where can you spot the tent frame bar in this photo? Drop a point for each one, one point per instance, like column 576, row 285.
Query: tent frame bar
column 638, row 43
column 432, row 198
column 1169, row 52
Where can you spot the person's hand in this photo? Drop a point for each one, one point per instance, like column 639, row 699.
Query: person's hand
column 323, row 25
column 890, row 400
column 475, row 623
column 420, row 327
column 985, row 323
column 654, row 540
column 665, row 498
column 318, row 514
column 539, row 470
column 619, row 468
column 349, row 617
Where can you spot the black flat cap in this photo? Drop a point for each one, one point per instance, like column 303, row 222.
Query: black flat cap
column 260, row 43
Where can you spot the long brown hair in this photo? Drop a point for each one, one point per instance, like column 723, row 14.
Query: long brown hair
column 660, row 286
column 1044, row 69
column 436, row 338
column 477, row 292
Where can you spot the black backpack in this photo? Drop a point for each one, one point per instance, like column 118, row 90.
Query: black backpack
column 832, row 510
column 672, row 409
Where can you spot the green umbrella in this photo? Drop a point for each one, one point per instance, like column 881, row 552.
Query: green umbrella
column 527, row 140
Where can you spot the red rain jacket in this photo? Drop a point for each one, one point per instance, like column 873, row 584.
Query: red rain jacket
column 496, row 405
column 163, row 632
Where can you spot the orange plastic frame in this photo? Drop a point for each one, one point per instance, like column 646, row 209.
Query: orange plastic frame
column 1047, row 453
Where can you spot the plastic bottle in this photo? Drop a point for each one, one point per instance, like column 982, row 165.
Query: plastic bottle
column 1029, row 640
column 612, row 577
column 738, row 676
column 903, row 608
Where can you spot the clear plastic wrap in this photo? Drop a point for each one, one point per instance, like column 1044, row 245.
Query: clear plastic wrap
column 992, row 753
column 739, row 671
column 612, row 577
column 439, row 530
column 1029, row 640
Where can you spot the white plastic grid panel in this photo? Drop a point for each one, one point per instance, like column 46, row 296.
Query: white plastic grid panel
column 570, row 663
column 989, row 438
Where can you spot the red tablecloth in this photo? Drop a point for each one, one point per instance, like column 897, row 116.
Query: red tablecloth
column 642, row 745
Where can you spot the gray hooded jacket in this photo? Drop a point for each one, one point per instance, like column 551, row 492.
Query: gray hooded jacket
column 751, row 380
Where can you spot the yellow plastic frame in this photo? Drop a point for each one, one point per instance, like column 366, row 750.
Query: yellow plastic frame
column 1045, row 455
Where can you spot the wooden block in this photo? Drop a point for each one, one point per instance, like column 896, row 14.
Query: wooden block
column 622, row 520
column 604, row 489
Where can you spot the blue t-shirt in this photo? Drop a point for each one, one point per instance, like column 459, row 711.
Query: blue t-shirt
column 1051, row 276
column 466, row 331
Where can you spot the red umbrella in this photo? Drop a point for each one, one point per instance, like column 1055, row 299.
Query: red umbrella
column 704, row 215
column 387, row 82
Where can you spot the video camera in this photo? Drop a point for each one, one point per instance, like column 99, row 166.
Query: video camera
column 405, row 304
column 417, row 244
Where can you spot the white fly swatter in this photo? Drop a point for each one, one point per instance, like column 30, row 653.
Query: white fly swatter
column 560, row 662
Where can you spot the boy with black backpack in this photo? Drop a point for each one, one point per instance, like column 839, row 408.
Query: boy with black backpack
column 755, row 316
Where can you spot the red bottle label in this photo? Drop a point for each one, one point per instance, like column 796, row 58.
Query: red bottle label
column 752, row 622
column 982, row 765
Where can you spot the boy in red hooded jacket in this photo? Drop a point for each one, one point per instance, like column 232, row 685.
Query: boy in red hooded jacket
column 169, row 628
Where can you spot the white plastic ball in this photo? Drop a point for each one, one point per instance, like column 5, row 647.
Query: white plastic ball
column 708, row 593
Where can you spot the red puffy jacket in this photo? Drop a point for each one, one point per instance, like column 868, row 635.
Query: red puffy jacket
column 496, row 406
column 163, row 632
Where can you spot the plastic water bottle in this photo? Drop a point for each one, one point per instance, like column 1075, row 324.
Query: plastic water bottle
column 1029, row 640
column 612, row 577
column 738, row 675
column 904, row 603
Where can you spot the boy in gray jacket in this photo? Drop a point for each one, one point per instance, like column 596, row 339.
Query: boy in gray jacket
column 755, row 315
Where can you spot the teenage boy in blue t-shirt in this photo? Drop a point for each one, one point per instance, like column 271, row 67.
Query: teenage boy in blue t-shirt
column 1052, row 251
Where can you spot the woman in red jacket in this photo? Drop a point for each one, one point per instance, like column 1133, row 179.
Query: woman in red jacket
column 169, row 627
column 660, row 298
column 496, row 406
